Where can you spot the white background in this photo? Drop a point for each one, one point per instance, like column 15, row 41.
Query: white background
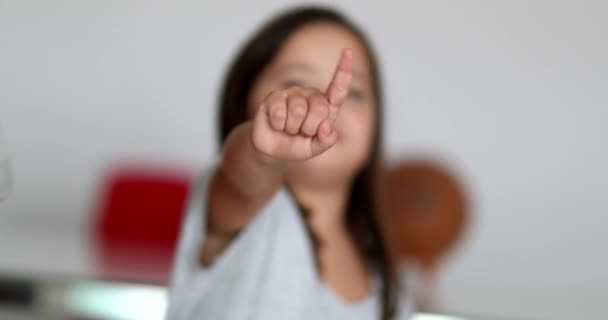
column 512, row 94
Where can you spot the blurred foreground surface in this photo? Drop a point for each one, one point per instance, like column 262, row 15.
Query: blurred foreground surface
column 82, row 299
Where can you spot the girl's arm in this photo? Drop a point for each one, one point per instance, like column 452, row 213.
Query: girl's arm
column 294, row 124
column 244, row 182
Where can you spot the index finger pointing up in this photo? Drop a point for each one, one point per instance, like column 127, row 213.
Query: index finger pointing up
column 340, row 83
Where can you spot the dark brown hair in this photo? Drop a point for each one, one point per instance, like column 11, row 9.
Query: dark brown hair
column 362, row 209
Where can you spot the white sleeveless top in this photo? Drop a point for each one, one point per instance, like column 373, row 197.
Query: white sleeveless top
column 267, row 272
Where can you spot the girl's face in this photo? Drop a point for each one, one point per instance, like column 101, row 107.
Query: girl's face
column 308, row 58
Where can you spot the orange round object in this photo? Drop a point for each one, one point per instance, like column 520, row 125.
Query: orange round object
column 426, row 210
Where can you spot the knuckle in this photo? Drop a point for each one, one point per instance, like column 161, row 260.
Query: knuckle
column 308, row 91
column 279, row 95
column 320, row 108
column 299, row 109
column 318, row 96
column 277, row 114
column 274, row 106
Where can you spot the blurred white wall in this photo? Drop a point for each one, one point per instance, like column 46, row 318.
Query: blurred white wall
column 513, row 93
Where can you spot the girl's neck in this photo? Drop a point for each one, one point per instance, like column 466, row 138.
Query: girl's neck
column 341, row 265
column 324, row 207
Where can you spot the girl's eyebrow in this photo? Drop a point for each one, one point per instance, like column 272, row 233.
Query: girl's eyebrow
column 308, row 68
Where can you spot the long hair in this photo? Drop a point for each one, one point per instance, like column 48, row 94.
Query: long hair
column 362, row 208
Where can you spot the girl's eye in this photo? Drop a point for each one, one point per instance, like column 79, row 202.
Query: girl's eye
column 292, row 83
column 356, row 94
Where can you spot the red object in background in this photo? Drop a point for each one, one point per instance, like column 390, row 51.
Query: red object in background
column 138, row 221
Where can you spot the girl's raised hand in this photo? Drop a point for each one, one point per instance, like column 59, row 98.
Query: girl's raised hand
column 298, row 123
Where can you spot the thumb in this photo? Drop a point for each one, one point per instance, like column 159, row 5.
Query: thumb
column 325, row 138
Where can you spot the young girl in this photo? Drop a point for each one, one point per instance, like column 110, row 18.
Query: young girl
column 285, row 226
